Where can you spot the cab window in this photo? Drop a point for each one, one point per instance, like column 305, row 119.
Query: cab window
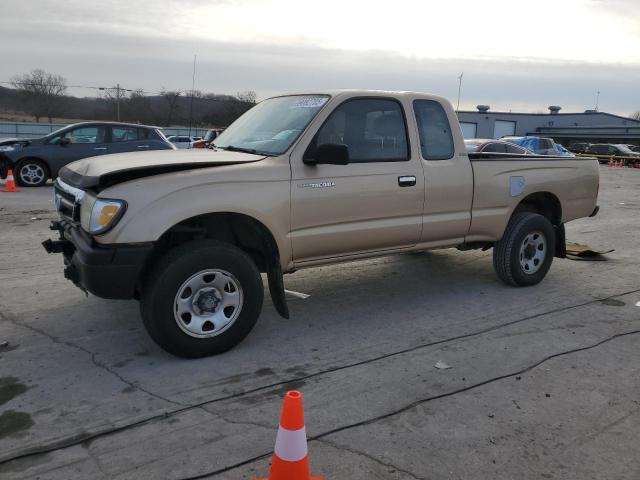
column 124, row 134
column 436, row 140
column 373, row 130
column 85, row 135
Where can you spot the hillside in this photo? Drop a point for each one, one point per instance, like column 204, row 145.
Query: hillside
column 208, row 111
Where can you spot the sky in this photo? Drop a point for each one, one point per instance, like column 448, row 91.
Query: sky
column 516, row 55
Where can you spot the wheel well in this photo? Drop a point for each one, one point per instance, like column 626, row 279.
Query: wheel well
column 243, row 231
column 544, row 203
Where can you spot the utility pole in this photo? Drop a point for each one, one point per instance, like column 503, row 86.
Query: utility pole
column 118, row 100
column 118, row 89
column 193, row 87
column 459, row 90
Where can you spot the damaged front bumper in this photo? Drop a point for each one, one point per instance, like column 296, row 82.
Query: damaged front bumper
column 105, row 271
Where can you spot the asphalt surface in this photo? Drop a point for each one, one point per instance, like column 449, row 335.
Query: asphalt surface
column 544, row 381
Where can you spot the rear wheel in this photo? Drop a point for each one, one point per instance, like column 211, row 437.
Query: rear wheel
column 202, row 298
column 524, row 254
column 31, row 172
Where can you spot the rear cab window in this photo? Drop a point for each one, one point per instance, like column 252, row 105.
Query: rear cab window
column 434, row 129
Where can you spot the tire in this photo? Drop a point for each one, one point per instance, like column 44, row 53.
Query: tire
column 31, row 172
column 183, row 301
column 524, row 254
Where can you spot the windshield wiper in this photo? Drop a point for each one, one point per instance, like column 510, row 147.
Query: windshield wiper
column 231, row 148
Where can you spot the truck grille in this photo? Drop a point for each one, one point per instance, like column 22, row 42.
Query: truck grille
column 67, row 200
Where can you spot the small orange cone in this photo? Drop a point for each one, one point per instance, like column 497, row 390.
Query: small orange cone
column 290, row 459
column 10, row 184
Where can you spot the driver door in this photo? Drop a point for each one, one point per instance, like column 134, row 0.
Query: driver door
column 372, row 204
column 78, row 143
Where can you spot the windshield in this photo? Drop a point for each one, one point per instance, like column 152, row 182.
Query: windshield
column 56, row 133
column 273, row 125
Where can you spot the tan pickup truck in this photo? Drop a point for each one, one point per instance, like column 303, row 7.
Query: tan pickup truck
column 299, row 181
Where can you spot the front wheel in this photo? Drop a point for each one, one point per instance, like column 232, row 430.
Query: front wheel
column 202, row 298
column 31, row 172
column 524, row 254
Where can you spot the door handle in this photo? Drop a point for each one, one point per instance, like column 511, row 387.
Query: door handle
column 407, row 181
column 100, row 148
column 143, row 146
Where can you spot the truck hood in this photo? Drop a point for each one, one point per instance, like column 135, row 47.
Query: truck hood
column 101, row 172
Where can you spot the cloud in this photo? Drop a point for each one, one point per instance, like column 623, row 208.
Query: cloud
column 100, row 49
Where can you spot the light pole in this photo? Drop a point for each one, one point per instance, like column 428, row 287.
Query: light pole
column 193, row 87
column 597, row 99
column 459, row 90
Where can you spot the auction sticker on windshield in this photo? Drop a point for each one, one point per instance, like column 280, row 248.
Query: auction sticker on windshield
column 309, row 102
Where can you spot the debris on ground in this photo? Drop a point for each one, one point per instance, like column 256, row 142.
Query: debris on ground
column 440, row 365
column 4, row 344
column 295, row 294
column 577, row 251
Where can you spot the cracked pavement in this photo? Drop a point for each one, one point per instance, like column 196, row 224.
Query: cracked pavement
column 543, row 384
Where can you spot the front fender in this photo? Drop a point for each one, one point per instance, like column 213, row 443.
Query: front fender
column 156, row 204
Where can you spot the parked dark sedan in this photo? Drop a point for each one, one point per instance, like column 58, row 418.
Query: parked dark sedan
column 34, row 161
column 610, row 149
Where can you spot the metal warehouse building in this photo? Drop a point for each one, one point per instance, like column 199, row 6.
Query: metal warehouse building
column 565, row 128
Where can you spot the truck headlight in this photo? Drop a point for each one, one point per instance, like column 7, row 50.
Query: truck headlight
column 97, row 215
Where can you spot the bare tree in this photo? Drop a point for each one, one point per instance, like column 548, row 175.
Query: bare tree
column 248, row 96
column 137, row 107
column 43, row 92
column 171, row 97
column 237, row 105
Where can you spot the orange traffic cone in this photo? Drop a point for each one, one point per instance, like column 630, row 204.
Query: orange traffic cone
column 10, row 184
column 290, row 459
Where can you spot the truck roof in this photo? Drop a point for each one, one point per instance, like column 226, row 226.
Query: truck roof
column 365, row 93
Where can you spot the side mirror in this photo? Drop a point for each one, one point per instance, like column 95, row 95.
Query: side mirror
column 330, row 154
column 64, row 141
